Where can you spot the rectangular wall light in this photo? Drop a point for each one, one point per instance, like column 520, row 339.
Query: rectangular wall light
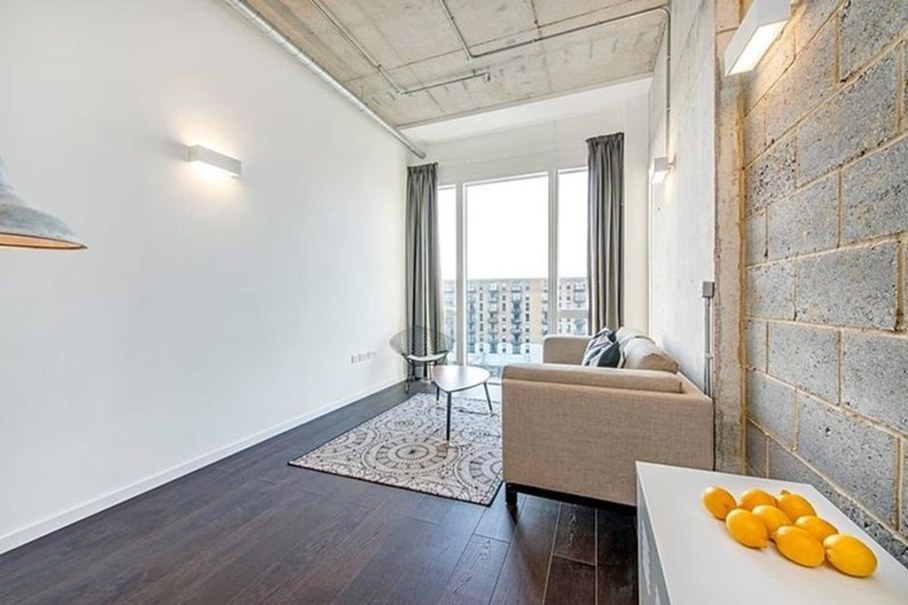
column 209, row 157
column 658, row 170
column 759, row 29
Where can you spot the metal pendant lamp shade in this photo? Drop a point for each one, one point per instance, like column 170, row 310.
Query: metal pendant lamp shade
column 24, row 227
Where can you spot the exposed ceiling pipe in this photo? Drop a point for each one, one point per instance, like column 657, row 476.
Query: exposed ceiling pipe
column 668, row 73
column 664, row 9
column 347, row 35
column 485, row 75
column 472, row 55
column 262, row 24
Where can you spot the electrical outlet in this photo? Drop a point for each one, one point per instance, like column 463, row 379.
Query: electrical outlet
column 361, row 357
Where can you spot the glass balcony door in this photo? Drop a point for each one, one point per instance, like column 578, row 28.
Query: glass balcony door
column 573, row 294
column 507, row 274
column 513, row 264
column 447, row 245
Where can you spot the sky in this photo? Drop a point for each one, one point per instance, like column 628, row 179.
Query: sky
column 507, row 228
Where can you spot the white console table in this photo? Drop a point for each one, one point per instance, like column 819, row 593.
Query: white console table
column 686, row 557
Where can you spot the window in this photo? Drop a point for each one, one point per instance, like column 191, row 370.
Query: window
column 508, row 248
column 505, row 222
column 447, row 245
column 572, row 252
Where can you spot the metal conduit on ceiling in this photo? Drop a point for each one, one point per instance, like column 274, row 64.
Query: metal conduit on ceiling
column 262, row 24
column 269, row 30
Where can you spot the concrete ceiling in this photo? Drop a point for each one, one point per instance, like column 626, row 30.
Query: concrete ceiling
column 605, row 99
column 389, row 51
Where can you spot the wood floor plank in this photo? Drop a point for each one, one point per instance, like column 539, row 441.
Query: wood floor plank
column 232, row 559
column 617, row 535
column 571, row 583
column 338, row 566
column 498, row 521
column 576, row 535
column 473, row 580
column 616, row 555
column 380, row 577
column 617, row 585
column 433, row 508
column 525, row 569
column 130, row 569
column 302, row 556
column 427, row 577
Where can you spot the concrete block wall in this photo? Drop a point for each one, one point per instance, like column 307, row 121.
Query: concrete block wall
column 825, row 180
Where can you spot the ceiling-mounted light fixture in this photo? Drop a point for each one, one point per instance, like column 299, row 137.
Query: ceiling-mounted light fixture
column 658, row 170
column 209, row 157
column 758, row 30
column 24, row 227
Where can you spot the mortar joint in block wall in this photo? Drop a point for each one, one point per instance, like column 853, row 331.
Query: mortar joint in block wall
column 901, row 263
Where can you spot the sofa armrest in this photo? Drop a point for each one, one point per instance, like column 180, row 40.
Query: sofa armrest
column 562, row 348
column 613, row 378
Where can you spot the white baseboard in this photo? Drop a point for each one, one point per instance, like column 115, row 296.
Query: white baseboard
column 52, row 524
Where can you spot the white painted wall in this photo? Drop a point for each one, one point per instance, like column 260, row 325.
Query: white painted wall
column 558, row 144
column 206, row 314
column 683, row 207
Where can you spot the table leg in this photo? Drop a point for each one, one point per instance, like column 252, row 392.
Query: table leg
column 448, row 429
column 485, row 385
column 437, row 393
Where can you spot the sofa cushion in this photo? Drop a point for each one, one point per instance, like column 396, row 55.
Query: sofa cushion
column 625, row 335
column 611, row 378
column 644, row 354
column 603, row 351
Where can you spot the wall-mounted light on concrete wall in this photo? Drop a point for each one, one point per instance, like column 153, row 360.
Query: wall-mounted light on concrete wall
column 758, row 30
column 213, row 159
column 658, row 170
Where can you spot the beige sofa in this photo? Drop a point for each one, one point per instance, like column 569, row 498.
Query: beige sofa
column 578, row 430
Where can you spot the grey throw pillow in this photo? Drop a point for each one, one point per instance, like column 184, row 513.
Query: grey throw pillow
column 603, row 351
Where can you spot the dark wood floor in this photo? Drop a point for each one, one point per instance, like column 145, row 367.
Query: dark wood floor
column 251, row 529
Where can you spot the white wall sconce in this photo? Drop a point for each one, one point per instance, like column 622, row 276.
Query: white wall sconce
column 658, row 170
column 219, row 161
column 758, row 30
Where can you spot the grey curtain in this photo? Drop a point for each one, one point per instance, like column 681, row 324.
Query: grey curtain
column 606, row 231
column 425, row 314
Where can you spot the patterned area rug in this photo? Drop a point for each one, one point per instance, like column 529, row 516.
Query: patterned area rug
column 405, row 447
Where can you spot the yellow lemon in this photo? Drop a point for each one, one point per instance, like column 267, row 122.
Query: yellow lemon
column 819, row 527
column 772, row 517
column 795, row 505
column 718, row 502
column 799, row 545
column 755, row 497
column 746, row 528
column 849, row 555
